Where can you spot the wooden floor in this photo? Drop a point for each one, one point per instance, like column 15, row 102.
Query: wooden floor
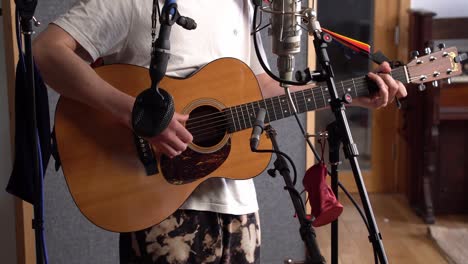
column 405, row 236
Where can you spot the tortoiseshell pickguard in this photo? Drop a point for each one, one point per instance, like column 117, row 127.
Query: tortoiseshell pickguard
column 191, row 165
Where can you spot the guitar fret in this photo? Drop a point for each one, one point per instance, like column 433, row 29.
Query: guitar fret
column 401, row 74
column 305, row 101
column 348, row 90
column 323, row 95
column 327, row 96
column 297, row 104
column 274, row 110
column 281, row 107
column 243, row 117
column 313, row 97
column 284, row 104
column 249, row 115
column 238, row 118
column 265, row 105
column 354, row 85
column 288, row 103
column 319, row 98
column 406, row 73
column 342, row 86
column 256, row 107
column 254, row 115
column 232, row 119
column 267, row 112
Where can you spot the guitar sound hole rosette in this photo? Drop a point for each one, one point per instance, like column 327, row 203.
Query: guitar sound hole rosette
column 207, row 124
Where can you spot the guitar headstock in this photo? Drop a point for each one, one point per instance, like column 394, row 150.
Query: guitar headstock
column 442, row 64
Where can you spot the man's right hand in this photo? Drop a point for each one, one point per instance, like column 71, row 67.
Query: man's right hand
column 175, row 138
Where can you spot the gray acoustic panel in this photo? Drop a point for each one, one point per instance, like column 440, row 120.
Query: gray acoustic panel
column 280, row 230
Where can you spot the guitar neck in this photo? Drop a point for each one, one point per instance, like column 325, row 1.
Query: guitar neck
column 243, row 116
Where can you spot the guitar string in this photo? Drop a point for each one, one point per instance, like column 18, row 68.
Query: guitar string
column 221, row 118
column 244, row 108
column 209, row 131
column 315, row 90
column 399, row 74
column 221, row 115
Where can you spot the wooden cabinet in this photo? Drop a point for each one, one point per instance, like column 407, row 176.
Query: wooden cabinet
column 437, row 129
column 451, row 184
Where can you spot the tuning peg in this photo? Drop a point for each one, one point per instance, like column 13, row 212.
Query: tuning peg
column 422, row 87
column 449, row 80
column 441, row 46
column 435, row 83
column 427, row 50
column 414, row 54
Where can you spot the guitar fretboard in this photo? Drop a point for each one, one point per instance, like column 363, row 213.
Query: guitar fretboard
column 243, row 116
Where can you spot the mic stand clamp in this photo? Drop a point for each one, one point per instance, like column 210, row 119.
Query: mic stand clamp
column 321, row 41
column 306, row 230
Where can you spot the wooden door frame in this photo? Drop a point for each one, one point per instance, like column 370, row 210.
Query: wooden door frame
column 25, row 243
column 310, row 116
column 387, row 122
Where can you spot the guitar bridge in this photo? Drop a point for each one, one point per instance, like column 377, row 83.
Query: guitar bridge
column 146, row 155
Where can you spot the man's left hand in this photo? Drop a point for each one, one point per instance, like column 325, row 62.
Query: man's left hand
column 389, row 88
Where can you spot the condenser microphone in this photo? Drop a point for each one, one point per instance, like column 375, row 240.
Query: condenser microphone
column 286, row 34
column 257, row 129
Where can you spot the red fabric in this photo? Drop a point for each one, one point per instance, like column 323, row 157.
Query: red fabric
column 325, row 206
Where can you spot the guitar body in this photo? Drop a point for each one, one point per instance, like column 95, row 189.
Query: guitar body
column 102, row 159
column 99, row 157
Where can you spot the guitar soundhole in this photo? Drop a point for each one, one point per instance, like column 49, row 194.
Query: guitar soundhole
column 207, row 125
column 209, row 149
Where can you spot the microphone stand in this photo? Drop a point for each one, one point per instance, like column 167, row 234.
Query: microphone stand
column 321, row 41
column 306, row 230
column 154, row 107
column 26, row 9
column 334, row 142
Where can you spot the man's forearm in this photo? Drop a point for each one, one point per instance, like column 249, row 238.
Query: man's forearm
column 64, row 71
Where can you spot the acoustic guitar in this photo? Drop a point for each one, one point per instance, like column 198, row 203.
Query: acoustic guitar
column 120, row 183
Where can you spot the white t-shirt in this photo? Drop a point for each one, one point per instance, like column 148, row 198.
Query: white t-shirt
column 120, row 32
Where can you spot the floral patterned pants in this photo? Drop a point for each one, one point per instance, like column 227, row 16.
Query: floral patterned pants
column 192, row 237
